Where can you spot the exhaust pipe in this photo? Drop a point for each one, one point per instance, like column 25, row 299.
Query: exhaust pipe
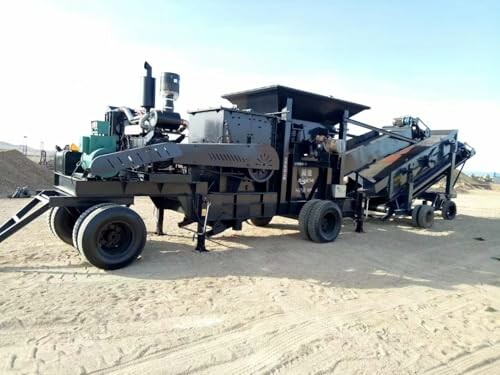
column 148, row 93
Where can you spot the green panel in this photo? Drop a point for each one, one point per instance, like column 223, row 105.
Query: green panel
column 100, row 127
column 85, row 144
column 102, row 141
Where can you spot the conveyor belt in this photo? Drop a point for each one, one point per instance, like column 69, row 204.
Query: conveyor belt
column 420, row 165
column 382, row 168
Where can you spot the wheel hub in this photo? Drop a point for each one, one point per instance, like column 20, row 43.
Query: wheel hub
column 327, row 223
column 111, row 236
column 260, row 175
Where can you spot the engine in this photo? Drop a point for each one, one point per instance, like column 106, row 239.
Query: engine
column 125, row 128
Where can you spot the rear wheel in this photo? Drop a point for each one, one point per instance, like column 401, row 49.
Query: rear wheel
column 80, row 219
column 414, row 215
column 304, row 216
column 111, row 237
column 324, row 222
column 61, row 222
column 261, row 221
column 449, row 210
column 425, row 216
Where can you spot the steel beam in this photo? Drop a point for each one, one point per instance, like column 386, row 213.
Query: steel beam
column 370, row 127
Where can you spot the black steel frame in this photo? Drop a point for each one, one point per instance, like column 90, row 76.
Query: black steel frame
column 222, row 210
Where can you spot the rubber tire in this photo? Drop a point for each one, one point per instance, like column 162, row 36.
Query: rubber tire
column 414, row 215
column 62, row 221
column 314, row 227
column 92, row 224
column 449, row 210
column 261, row 221
column 425, row 216
column 79, row 221
column 304, row 216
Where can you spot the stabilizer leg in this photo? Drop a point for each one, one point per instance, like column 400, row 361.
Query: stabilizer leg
column 200, row 239
column 360, row 217
column 160, row 213
column 201, row 232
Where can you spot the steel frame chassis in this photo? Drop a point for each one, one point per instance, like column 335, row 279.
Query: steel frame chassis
column 222, row 210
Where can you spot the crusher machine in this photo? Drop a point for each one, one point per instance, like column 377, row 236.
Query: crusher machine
column 276, row 151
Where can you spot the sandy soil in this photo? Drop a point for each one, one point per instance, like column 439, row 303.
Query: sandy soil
column 395, row 300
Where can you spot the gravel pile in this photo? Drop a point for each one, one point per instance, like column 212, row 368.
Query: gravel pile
column 16, row 170
column 465, row 183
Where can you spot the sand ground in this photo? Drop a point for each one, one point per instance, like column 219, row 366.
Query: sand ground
column 395, row 300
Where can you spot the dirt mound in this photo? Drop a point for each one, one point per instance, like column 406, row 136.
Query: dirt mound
column 17, row 170
column 464, row 183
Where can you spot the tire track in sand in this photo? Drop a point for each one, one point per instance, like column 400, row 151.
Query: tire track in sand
column 485, row 360
column 279, row 334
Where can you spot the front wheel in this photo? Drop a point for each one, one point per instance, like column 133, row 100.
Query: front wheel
column 324, row 221
column 449, row 210
column 111, row 237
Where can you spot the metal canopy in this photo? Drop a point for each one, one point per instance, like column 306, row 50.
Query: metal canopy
column 307, row 106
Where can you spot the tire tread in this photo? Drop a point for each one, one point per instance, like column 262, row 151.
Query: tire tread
column 303, row 218
column 88, row 221
column 421, row 216
column 80, row 220
column 314, row 219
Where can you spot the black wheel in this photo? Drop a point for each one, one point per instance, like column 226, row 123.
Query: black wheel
column 425, row 216
column 449, row 210
column 261, row 221
column 61, row 222
column 414, row 215
column 260, row 175
column 324, row 221
column 304, row 216
column 111, row 237
column 79, row 221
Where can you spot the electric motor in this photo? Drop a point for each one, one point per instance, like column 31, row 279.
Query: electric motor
column 405, row 121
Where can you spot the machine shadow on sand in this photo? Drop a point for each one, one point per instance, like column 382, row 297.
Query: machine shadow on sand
column 351, row 262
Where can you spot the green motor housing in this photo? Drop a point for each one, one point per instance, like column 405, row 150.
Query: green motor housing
column 100, row 142
column 92, row 143
column 87, row 159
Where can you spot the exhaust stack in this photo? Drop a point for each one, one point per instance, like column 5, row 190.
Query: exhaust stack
column 149, row 85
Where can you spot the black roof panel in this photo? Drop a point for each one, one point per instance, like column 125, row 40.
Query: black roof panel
column 307, row 106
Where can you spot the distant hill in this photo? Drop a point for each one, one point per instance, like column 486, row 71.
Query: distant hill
column 494, row 175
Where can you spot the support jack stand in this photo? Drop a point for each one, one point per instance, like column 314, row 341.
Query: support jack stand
column 360, row 218
column 200, row 243
column 159, row 222
column 202, row 225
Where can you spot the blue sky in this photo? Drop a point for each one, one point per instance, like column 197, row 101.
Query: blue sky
column 438, row 58
column 437, row 47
